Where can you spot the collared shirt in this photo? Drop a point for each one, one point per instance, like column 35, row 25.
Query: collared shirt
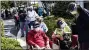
column 43, row 26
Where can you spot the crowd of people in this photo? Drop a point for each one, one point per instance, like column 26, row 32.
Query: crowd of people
column 8, row 13
column 79, row 32
column 32, row 23
column 26, row 19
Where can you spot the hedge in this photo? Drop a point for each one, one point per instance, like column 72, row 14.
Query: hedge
column 51, row 24
column 8, row 44
column 1, row 28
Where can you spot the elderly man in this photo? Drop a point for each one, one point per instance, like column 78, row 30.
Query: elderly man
column 82, row 24
column 37, row 38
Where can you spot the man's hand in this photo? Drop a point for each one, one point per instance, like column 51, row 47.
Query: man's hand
column 37, row 46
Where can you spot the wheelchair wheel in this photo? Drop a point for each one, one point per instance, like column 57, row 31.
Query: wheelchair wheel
column 29, row 47
column 76, row 48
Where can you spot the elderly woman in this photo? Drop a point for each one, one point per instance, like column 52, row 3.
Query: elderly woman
column 42, row 24
column 62, row 32
column 62, row 28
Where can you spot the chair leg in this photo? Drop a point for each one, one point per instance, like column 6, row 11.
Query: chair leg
column 59, row 44
column 27, row 47
column 30, row 47
column 78, row 45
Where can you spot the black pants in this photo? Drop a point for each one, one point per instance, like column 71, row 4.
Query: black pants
column 31, row 24
column 84, row 46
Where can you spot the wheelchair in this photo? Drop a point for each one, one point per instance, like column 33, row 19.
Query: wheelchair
column 30, row 47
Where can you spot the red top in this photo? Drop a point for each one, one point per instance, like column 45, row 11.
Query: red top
column 17, row 17
column 38, row 38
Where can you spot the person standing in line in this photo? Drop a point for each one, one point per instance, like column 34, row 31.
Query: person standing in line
column 31, row 16
column 22, row 17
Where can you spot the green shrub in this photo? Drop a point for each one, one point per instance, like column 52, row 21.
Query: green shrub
column 69, row 21
column 60, row 8
column 9, row 44
column 51, row 24
column 1, row 28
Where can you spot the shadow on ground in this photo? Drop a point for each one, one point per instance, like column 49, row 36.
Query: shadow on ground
column 14, row 31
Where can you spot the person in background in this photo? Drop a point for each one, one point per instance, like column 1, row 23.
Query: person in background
column 2, row 13
column 81, row 24
column 40, row 11
column 16, row 18
column 6, row 13
column 31, row 16
column 42, row 24
column 9, row 14
column 22, row 16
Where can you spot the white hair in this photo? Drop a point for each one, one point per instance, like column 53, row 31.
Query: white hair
column 40, row 18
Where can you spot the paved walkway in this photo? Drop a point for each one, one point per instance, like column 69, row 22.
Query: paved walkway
column 21, row 40
column 8, row 25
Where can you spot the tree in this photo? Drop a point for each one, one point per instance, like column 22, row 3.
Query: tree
column 60, row 8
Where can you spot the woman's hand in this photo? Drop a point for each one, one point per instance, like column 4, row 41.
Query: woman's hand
column 58, row 36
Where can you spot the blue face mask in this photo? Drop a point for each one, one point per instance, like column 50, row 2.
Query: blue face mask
column 60, row 23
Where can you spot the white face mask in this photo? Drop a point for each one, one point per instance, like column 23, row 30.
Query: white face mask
column 37, row 29
column 75, row 13
column 63, row 25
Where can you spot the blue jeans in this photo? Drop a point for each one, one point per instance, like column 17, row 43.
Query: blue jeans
column 22, row 24
column 26, row 26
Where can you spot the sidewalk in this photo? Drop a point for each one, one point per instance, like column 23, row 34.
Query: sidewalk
column 21, row 40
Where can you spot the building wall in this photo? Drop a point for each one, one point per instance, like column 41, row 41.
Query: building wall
column 86, row 5
column 80, row 2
